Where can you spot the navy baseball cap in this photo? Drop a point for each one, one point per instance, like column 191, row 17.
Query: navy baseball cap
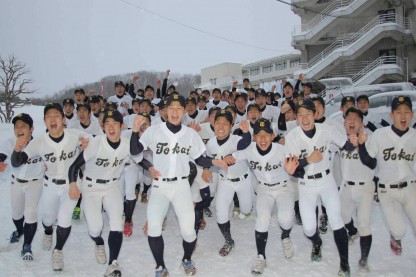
column 135, row 100
column 202, row 98
column 213, row 109
column 309, row 85
column 162, row 104
column 145, row 100
column 79, row 90
column 253, row 106
column 262, row 124
column 119, row 83
column 190, row 99
column 147, row 115
column 94, row 99
column 116, row 115
column 226, row 114
column 363, row 96
column 23, row 117
column 306, row 104
column 112, row 105
column 68, row 101
column 290, row 103
column 354, row 110
column 346, row 99
column 85, row 105
column 177, row 98
column 319, row 99
column 398, row 100
column 287, row 84
column 242, row 95
column 55, row 106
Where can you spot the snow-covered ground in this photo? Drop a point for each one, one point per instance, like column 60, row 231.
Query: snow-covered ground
column 136, row 259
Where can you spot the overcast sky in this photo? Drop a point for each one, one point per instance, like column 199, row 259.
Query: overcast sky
column 67, row 42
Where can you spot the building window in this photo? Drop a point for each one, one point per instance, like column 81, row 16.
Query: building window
column 213, row 81
column 267, row 68
column 255, row 71
column 281, row 65
column 294, row 63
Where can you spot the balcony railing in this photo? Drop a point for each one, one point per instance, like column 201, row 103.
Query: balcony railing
column 386, row 60
column 378, row 20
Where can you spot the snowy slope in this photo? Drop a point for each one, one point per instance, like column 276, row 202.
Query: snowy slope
column 136, row 259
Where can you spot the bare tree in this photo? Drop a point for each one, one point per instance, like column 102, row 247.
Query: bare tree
column 13, row 83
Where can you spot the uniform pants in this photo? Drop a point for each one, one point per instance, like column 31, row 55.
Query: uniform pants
column 358, row 198
column 179, row 194
column 225, row 194
column 57, row 205
column 394, row 202
column 309, row 191
column 267, row 197
column 129, row 179
column 24, row 198
column 95, row 197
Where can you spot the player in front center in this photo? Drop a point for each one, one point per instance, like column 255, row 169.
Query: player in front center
column 310, row 143
column 173, row 145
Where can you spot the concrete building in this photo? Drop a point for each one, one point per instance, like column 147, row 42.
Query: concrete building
column 367, row 41
column 262, row 74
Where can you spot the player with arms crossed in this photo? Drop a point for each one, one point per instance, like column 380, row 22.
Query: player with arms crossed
column 392, row 149
column 310, row 142
column 58, row 149
column 267, row 161
column 173, row 145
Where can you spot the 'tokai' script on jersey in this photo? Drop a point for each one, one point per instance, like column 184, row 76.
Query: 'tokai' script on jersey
column 268, row 167
column 50, row 157
column 34, row 160
column 106, row 163
column 389, row 154
column 350, row 155
column 304, row 153
column 162, row 148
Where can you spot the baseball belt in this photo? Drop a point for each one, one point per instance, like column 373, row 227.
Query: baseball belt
column 100, row 181
column 172, row 179
column 394, row 186
column 272, row 185
column 236, row 179
column 355, row 183
column 24, row 181
column 56, row 181
column 318, row 175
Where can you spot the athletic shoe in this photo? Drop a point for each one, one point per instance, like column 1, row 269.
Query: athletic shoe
column 47, row 242
column 57, row 260
column 27, row 252
column 323, row 226
column 15, row 237
column 113, row 270
column 236, row 212
column 244, row 216
column 208, row 212
column 352, row 238
column 316, row 254
column 396, row 246
column 76, row 213
column 376, row 199
column 227, row 247
column 189, row 267
column 298, row 219
column 203, row 224
column 100, row 254
column 161, row 272
column 287, row 247
column 128, row 229
column 259, row 265
column 345, row 272
column 363, row 265
column 164, row 223
column 144, row 198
